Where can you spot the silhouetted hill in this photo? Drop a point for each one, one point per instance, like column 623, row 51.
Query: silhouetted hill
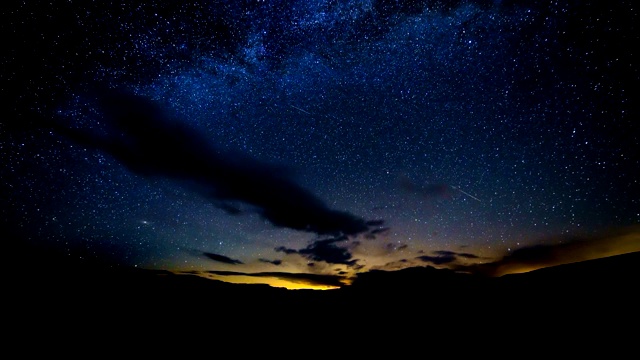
column 86, row 293
column 612, row 270
column 614, row 273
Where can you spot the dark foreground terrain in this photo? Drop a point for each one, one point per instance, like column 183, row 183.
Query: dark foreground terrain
column 592, row 299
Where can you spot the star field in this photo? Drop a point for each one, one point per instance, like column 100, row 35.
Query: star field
column 318, row 137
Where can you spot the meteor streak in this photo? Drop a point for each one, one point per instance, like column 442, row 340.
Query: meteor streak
column 304, row 111
column 466, row 193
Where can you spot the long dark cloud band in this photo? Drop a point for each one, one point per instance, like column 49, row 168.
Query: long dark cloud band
column 143, row 137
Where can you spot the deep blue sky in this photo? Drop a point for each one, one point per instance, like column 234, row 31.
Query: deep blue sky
column 320, row 137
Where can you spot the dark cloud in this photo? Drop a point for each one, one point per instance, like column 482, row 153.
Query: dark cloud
column 300, row 278
column 445, row 257
column 467, row 256
column 148, row 141
column 273, row 262
column 286, row 250
column 375, row 222
column 221, row 258
column 438, row 259
column 325, row 250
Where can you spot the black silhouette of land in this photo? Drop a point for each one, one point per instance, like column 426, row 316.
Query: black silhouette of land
column 590, row 296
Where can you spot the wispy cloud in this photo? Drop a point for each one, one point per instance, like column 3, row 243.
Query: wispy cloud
column 273, row 262
column 299, row 278
column 221, row 258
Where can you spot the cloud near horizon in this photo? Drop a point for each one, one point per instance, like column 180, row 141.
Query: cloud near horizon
column 298, row 278
column 326, row 250
column 445, row 257
column 221, row 258
column 521, row 260
column 547, row 253
column 529, row 258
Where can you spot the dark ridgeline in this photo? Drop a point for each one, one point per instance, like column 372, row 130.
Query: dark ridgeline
column 595, row 294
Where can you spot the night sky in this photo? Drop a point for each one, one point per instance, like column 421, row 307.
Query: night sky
column 301, row 142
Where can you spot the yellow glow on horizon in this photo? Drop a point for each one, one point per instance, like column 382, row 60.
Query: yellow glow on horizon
column 271, row 281
column 609, row 243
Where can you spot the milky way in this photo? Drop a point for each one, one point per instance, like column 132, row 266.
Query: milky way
column 319, row 137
